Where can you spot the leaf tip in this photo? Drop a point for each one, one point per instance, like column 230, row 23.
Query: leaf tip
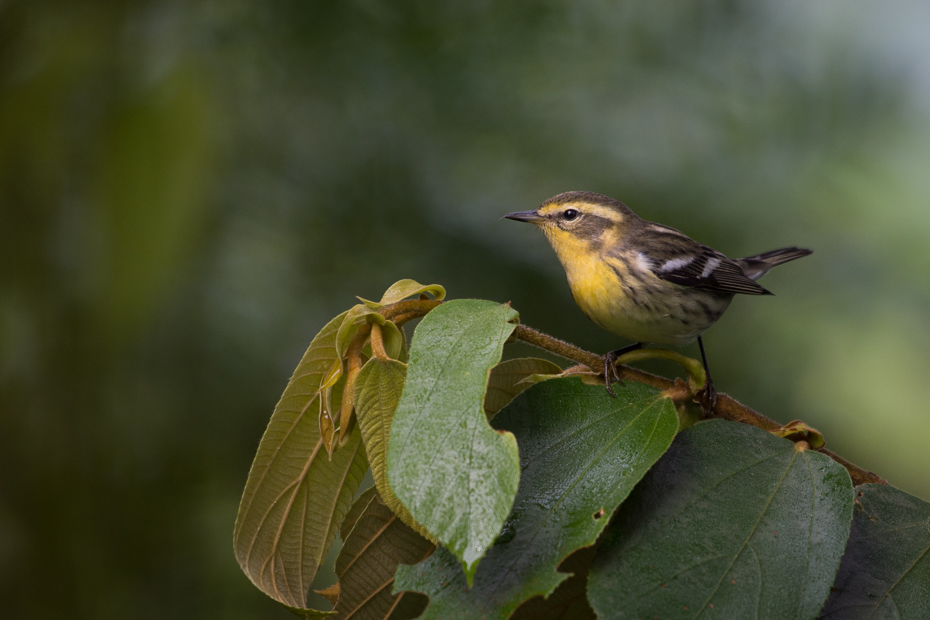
column 470, row 572
column 331, row 593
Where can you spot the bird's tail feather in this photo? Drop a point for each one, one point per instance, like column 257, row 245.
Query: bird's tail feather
column 757, row 266
column 777, row 257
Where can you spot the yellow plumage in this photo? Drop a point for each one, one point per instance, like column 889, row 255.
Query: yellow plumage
column 615, row 287
column 641, row 280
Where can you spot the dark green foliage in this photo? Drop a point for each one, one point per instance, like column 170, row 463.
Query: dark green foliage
column 731, row 520
column 581, row 453
column 606, row 511
column 885, row 574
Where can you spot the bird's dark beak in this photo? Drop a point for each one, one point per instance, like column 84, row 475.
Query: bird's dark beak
column 525, row 216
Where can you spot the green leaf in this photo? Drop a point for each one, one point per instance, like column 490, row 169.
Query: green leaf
column 885, row 574
column 505, row 381
column 295, row 497
column 581, row 453
column 376, row 544
column 356, row 316
column 455, row 474
column 403, row 289
column 395, row 343
column 377, row 392
column 569, row 601
column 733, row 523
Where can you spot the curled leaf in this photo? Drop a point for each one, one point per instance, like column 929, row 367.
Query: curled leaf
column 799, row 431
column 403, row 289
column 388, row 342
column 395, row 343
column 356, row 316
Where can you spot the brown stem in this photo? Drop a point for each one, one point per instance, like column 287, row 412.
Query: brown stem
column 727, row 407
column 354, row 357
column 414, row 307
column 377, row 342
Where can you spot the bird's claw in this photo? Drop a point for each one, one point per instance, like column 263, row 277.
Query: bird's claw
column 707, row 397
column 611, row 374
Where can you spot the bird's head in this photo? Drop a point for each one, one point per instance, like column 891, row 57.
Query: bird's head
column 576, row 220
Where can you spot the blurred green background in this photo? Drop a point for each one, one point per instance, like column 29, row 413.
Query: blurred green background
column 189, row 190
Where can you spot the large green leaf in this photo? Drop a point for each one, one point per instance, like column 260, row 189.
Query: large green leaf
column 377, row 392
column 581, row 453
column 506, row 380
column 455, row 474
column 731, row 523
column 374, row 546
column 885, row 574
column 296, row 497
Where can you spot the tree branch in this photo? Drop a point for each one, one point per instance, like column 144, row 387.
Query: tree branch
column 727, row 408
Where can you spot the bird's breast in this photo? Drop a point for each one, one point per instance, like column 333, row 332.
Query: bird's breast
column 626, row 298
column 600, row 291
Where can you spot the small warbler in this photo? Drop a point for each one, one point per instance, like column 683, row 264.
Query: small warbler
column 645, row 281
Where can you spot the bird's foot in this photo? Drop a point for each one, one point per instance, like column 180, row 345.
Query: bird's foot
column 611, row 374
column 707, row 397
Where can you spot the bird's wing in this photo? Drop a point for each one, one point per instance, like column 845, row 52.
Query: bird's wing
column 679, row 259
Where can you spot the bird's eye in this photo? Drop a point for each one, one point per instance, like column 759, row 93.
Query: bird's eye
column 570, row 214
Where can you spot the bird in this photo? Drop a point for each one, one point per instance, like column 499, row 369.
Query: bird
column 644, row 281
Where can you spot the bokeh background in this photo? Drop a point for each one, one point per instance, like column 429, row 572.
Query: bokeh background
column 189, row 190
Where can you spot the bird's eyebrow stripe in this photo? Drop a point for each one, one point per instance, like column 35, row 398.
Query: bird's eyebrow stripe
column 606, row 213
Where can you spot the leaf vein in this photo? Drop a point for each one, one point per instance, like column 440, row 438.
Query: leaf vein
column 887, row 593
column 591, row 463
column 752, row 532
